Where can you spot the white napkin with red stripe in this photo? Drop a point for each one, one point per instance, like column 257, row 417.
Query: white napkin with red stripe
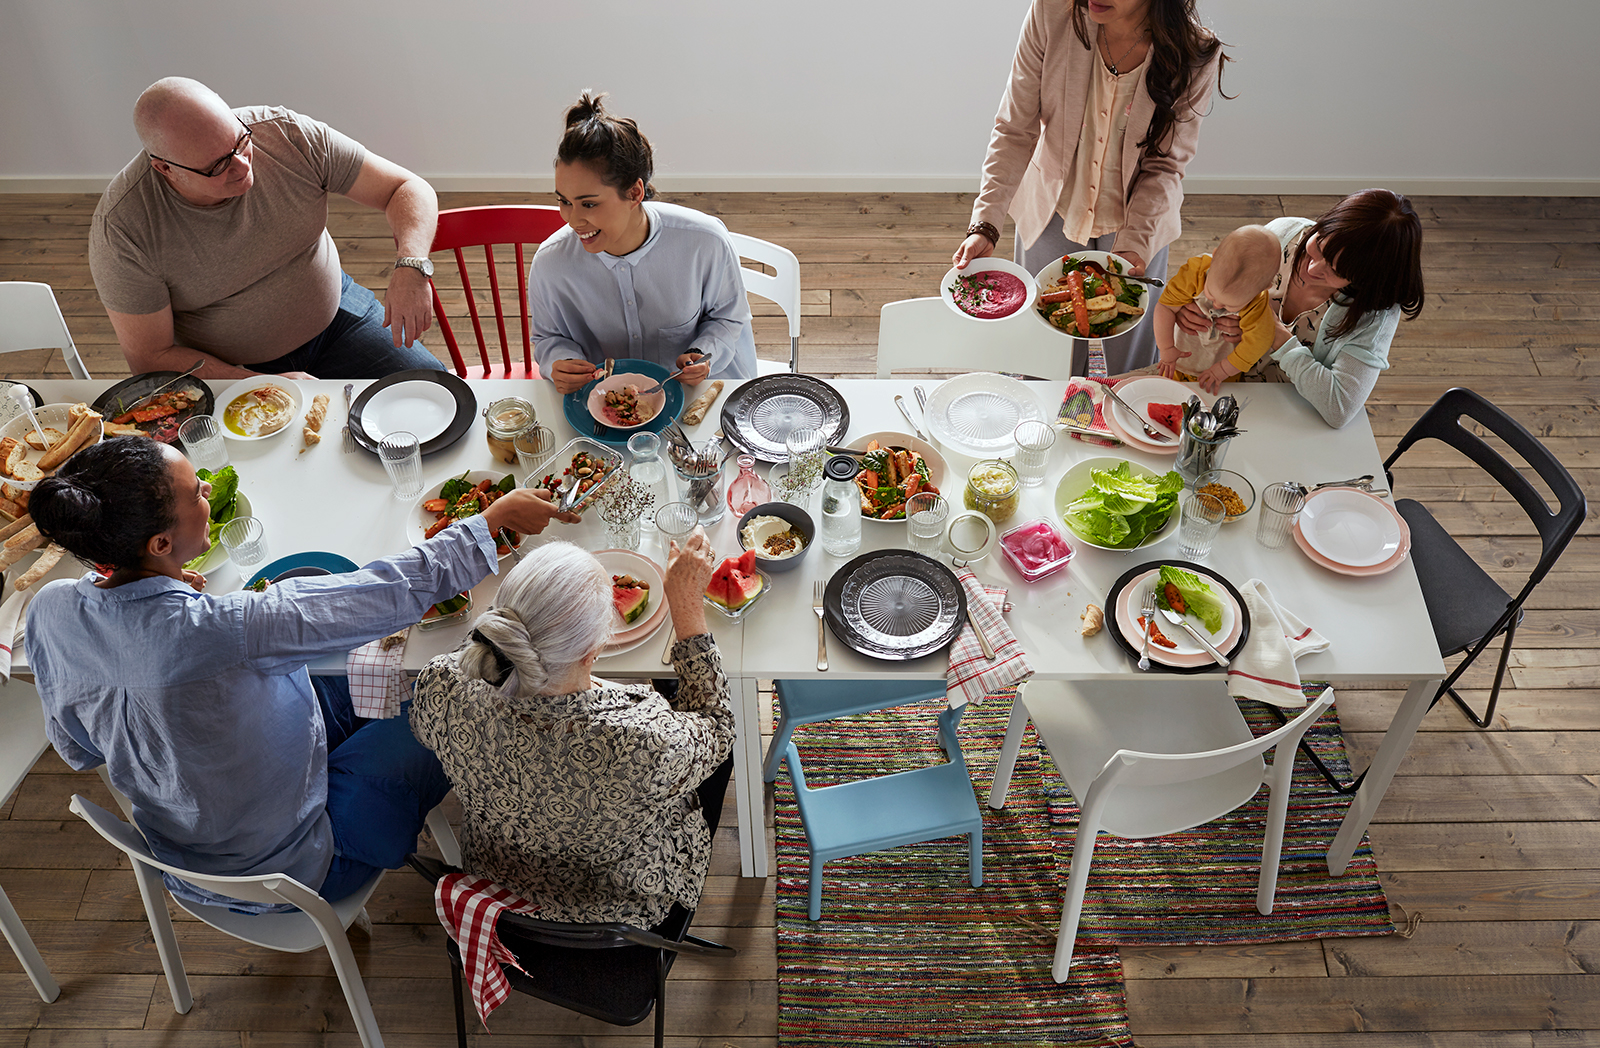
column 468, row 907
column 1265, row 669
column 971, row 676
column 11, row 628
column 377, row 677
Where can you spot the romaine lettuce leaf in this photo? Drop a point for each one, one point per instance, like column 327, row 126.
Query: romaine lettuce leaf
column 1199, row 598
column 1121, row 508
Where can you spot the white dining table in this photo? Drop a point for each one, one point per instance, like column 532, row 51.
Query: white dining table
column 1378, row 629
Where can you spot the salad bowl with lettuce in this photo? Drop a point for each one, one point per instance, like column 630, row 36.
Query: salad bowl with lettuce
column 1114, row 504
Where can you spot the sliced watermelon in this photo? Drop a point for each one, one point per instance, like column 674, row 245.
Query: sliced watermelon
column 735, row 583
column 631, row 596
column 1169, row 415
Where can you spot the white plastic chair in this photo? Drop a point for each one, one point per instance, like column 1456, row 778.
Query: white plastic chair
column 319, row 923
column 30, row 318
column 22, row 740
column 920, row 334
column 1149, row 764
column 784, row 289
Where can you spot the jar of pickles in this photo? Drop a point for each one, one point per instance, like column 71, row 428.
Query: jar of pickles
column 993, row 489
column 505, row 419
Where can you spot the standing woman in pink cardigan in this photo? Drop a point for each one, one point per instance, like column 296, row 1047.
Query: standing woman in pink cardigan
column 1099, row 119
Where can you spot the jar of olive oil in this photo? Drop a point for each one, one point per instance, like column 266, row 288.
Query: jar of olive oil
column 505, row 419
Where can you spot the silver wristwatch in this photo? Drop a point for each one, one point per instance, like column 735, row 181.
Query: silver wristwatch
column 422, row 265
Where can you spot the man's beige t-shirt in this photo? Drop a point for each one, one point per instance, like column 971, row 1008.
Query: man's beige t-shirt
column 249, row 279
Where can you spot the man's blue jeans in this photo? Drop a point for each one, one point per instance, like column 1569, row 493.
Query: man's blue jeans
column 354, row 345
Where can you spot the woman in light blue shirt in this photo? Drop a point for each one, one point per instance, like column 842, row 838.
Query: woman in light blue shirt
column 629, row 276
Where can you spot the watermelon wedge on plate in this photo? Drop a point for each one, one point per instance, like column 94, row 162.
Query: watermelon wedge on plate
column 630, row 596
column 619, row 562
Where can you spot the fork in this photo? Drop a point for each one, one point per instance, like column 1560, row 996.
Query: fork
column 822, row 631
column 349, row 437
column 1148, row 610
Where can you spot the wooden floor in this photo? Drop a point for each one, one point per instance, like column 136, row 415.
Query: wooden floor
column 1490, row 841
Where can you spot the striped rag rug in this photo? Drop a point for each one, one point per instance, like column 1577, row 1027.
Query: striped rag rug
column 908, row 953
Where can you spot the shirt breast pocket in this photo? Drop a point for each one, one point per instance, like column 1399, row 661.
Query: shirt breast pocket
column 678, row 336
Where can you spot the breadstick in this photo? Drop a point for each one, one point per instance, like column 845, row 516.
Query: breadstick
column 10, row 555
column 25, row 539
column 15, row 526
column 696, row 412
column 41, row 567
column 79, row 435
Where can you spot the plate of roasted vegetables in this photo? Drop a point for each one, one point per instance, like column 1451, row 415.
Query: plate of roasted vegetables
column 154, row 404
column 462, row 496
column 895, row 467
column 1083, row 295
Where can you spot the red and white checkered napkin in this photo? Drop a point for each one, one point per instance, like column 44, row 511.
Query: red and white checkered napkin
column 377, row 677
column 971, row 676
column 468, row 907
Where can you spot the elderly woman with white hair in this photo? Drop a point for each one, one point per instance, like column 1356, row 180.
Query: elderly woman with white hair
column 595, row 800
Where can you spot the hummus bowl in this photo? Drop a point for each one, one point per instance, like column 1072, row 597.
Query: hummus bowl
column 247, row 410
column 794, row 517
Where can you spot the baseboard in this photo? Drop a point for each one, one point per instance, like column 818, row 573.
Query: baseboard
column 1245, row 185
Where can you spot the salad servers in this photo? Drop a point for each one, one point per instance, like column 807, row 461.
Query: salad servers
column 1363, row 483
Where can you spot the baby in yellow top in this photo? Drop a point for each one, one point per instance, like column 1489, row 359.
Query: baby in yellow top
column 1231, row 282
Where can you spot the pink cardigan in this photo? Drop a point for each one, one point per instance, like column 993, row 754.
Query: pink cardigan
column 1024, row 171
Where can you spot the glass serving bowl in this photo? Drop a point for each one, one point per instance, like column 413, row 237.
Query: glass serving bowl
column 1229, row 479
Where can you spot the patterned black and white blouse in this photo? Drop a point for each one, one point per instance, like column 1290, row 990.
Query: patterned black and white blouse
column 584, row 803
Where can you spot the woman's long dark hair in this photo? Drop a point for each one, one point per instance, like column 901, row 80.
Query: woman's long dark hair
column 1179, row 45
column 612, row 145
column 1374, row 240
column 107, row 502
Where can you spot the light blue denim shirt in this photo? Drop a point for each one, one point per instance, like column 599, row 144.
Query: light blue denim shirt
column 201, row 706
column 678, row 291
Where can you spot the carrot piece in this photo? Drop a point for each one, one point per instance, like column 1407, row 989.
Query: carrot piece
column 1080, row 305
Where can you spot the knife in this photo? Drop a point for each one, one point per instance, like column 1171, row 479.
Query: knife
column 1149, row 429
column 900, row 402
column 1174, row 617
column 922, row 399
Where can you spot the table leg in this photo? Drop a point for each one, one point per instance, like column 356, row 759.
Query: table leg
column 1396, row 740
column 749, row 790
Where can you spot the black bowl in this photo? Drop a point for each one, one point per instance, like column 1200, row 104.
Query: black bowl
column 799, row 518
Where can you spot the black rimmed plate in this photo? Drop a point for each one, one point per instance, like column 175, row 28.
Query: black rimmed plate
column 894, row 604
column 297, row 565
column 466, row 407
column 1131, row 648
column 760, row 414
column 130, row 391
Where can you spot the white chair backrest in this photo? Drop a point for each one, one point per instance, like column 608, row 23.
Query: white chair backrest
column 784, row 288
column 270, row 888
column 923, row 333
column 1132, row 768
column 30, row 318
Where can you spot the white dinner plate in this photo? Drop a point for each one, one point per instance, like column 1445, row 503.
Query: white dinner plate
column 1187, row 652
column 976, row 414
column 1140, row 393
column 423, row 408
column 420, row 520
column 1350, row 527
column 243, row 386
column 626, row 562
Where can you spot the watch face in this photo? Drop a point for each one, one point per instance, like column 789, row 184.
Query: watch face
column 423, row 264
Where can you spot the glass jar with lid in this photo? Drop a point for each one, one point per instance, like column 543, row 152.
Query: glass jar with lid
column 505, row 419
column 993, row 489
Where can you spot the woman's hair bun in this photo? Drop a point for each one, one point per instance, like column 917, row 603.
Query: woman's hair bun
column 587, row 107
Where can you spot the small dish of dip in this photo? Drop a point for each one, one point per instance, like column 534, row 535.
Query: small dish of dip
column 258, row 408
column 988, row 289
column 779, row 533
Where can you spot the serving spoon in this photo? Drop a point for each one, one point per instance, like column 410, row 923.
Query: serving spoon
column 24, row 400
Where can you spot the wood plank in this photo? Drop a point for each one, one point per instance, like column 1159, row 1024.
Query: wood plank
column 1473, row 948
column 1494, row 895
column 1494, row 846
column 1487, row 753
column 102, row 1002
column 1491, row 798
column 1263, row 960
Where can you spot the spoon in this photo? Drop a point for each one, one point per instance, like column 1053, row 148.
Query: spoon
column 24, row 400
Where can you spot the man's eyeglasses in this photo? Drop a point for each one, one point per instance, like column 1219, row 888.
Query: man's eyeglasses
column 222, row 162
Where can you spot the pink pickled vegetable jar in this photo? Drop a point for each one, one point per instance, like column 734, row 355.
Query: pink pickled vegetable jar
column 1036, row 549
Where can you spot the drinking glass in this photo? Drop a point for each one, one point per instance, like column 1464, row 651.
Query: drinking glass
column 245, row 539
column 202, row 439
column 402, row 459
column 533, row 446
column 926, row 513
column 1280, row 508
column 676, row 521
column 1203, row 515
column 1034, row 441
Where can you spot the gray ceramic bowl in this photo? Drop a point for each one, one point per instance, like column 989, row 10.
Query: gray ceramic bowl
column 794, row 515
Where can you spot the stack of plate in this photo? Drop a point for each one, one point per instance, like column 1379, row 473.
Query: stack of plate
column 976, row 414
column 626, row 562
column 1351, row 532
column 1139, row 392
column 1127, row 597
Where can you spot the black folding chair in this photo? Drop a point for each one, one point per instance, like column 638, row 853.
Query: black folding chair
column 613, row 972
column 1468, row 608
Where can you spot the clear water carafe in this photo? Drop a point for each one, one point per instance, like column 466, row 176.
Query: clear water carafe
column 841, row 506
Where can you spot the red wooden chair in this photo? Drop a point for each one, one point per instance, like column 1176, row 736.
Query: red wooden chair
column 486, row 227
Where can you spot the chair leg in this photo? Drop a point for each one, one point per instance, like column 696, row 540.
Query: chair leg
column 1278, row 783
column 661, row 998
column 154, row 894
column 444, row 836
column 22, row 945
column 975, row 857
column 355, row 990
column 461, row 1008
column 1494, row 693
column 814, row 891
column 780, row 742
column 1072, row 902
column 1008, row 752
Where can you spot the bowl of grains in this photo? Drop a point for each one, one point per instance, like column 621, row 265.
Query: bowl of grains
column 1236, row 493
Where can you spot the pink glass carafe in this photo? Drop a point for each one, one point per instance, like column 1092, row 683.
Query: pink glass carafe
column 747, row 491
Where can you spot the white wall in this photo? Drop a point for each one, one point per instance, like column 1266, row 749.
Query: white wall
column 1440, row 95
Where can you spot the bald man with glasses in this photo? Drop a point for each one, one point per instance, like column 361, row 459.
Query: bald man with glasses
column 213, row 244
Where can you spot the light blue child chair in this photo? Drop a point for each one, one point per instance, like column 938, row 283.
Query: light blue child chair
column 886, row 811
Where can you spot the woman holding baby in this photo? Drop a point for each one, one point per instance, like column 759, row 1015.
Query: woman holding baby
column 1100, row 117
